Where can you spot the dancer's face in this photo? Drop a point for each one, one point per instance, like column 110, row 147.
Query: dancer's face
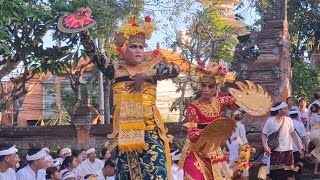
column 207, row 90
column 134, row 53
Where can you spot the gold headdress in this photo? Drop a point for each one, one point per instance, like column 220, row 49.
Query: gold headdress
column 213, row 73
column 131, row 31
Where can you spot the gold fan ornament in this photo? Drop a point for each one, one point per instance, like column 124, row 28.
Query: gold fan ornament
column 215, row 134
column 252, row 98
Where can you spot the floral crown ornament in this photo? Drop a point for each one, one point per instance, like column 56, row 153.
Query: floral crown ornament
column 213, row 73
column 132, row 32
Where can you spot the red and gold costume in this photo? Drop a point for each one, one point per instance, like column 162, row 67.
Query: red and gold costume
column 202, row 157
column 200, row 166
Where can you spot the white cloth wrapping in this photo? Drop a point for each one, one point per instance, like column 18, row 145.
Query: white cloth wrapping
column 176, row 157
column 293, row 111
column 9, row 174
column 91, row 150
column 301, row 132
column 68, row 174
column 59, row 160
column 26, row 173
column 174, row 152
column 237, row 138
column 65, row 151
column 176, row 173
column 41, row 175
column 272, row 125
column 46, row 149
column 36, row 156
column 11, row 150
column 87, row 167
column 280, row 106
column 234, row 152
column 55, row 163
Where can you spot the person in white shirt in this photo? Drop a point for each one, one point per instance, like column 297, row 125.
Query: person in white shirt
column 36, row 161
column 69, row 164
column 91, row 164
column 301, row 134
column 238, row 137
column 176, row 173
column 108, row 171
column 8, row 161
column 48, row 162
column 281, row 157
column 303, row 111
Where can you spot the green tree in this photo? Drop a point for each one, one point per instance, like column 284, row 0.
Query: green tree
column 211, row 36
column 304, row 22
column 24, row 23
column 305, row 80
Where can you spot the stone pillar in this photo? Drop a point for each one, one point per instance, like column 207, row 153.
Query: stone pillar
column 83, row 116
column 272, row 69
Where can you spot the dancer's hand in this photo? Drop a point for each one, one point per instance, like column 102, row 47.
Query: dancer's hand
column 84, row 11
column 136, row 85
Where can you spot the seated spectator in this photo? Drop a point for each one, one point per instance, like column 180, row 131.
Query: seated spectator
column 69, row 164
column 8, row 161
column 52, row 173
column 63, row 153
column 105, row 155
column 36, row 161
column 77, row 154
column 91, row 164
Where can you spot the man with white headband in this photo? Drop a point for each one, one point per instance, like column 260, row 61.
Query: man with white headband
column 91, row 164
column 302, row 135
column 65, row 152
column 8, row 161
column 48, row 163
column 36, row 161
column 281, row 157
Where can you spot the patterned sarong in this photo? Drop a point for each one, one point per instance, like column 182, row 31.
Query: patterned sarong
column 148, row 164
column 281, row 160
